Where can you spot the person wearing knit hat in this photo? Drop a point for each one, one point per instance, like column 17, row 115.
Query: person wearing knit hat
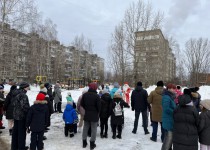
column 155, row 99
column 37, row 120
column 203, row 127
column 21, row 107
column 139, row 104
column 92, row 104
column 70, row 100
column 185, row 123
column 43, row 91
column 168, row 105
column 24, row 85
column 117, row 115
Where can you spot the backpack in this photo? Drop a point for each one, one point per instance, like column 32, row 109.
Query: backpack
column 118, row 110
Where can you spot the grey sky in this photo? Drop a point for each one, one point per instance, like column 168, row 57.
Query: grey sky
column 96, row 19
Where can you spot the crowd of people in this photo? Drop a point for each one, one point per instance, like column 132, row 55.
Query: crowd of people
column 177, row 113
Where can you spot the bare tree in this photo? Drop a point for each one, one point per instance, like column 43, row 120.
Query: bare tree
column 119, row 56
column 139, row 17
column 18, row 13
column 197, row 53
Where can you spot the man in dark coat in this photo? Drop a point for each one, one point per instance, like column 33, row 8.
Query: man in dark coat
column 185, row 132
column 8, row 108
column 92, row 104
column 140, row 105
column 37, row 119
column 21, row 107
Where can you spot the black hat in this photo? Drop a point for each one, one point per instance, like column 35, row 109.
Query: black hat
column 187, row 92
column 196, row 89
column 23, row 85
column 47, row 85
column 1, row 87
column 160, row 83
column 139, row 83
column 13, row 87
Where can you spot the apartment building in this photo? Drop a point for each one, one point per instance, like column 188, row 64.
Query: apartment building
column 25, row 56
column 155, row 60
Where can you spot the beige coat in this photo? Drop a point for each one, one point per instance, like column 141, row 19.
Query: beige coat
column 155, row 99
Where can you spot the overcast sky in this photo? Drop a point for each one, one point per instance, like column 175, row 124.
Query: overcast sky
column 96, row 19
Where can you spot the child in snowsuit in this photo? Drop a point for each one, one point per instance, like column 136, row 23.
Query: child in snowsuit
column 203, row 128
column 117, row 114
column 37, row 120
column 70, row 117
column 73, row 104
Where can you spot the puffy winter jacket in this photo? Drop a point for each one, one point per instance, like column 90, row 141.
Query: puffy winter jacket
column 69, row 115
column 91, row 102
column 204, row 128
column 168, row 106
column 37, row 118
column 155, row 99
column 185, row 133
column 139, row 99
column 106, row 105
column 21, row 104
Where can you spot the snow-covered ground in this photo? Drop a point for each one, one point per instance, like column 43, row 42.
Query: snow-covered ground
column 57, row 141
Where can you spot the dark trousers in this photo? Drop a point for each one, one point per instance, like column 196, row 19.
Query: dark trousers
column 104, row 124
column 69, row 128
column 59, row 107
column 155, row 129
column 75, row 128
column 19, row 135
column 118, row 128
column 145, row 120
column 37, row 140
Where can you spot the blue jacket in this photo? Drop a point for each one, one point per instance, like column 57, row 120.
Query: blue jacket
column 168, row 106
column 69, row 115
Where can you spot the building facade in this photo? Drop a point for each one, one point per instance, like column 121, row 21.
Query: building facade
column 154, row 58
column 26, row 56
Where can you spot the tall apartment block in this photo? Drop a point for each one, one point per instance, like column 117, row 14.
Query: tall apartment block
column 155, row 60
column 25, row 56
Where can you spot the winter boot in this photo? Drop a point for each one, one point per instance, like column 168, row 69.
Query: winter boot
column 92, row 145
column 84, row 144
column 101, row 134
column 119, row 135
column 10, row 131
column 105, row 135
column 114, row 135
column 146, row 131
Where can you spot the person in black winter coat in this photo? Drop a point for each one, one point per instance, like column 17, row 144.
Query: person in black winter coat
column 185, row 132
column 37, row 120
column 21, row 107
column 117, row 118
column 91, row 102
column 140, row 104
column 44, row 91
column 8, row 108
column 2, row 99
column 204, row 122
column 106, row 108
